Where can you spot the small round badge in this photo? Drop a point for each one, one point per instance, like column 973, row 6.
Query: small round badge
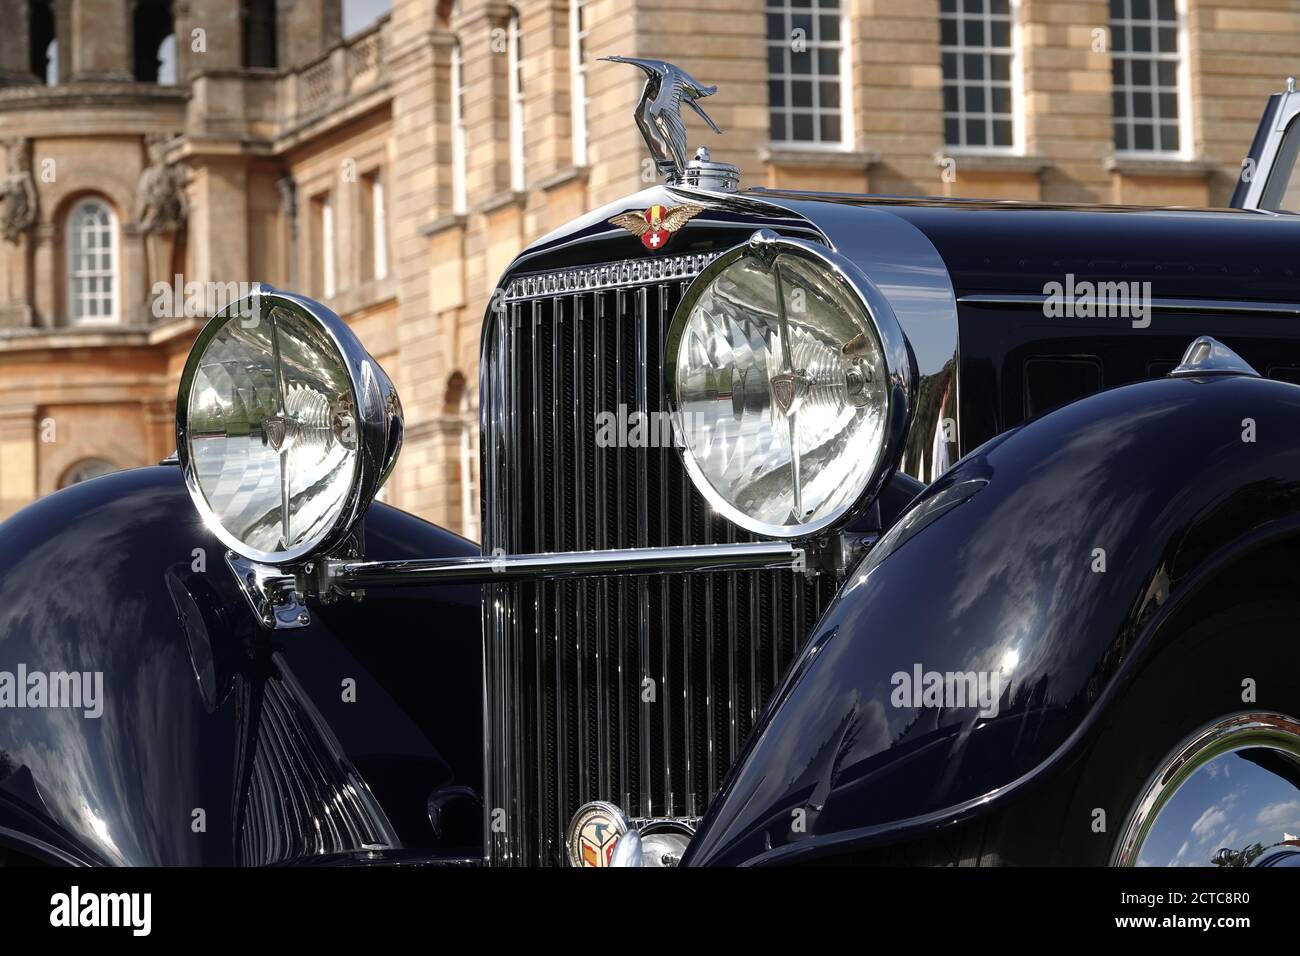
column 593, row 832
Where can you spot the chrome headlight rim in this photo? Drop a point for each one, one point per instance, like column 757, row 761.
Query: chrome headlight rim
column 900, row 364
column 378, row 416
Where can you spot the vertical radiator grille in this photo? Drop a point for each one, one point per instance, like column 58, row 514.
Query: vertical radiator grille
column 637, row 690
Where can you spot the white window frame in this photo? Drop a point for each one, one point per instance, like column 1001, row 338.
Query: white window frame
column 1017, row 79
column 327, row 245
column 459, row 172
column 578, row 28
column 469, row 499
column 516, row 92
column 379, row 225
column 1186, row 149
column 845, row 109
column 75, row 275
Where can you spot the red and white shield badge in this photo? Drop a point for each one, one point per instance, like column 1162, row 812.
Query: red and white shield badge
column 656, row 225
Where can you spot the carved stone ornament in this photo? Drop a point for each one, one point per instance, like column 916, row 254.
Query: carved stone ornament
column 160, row 196
column 18, row 201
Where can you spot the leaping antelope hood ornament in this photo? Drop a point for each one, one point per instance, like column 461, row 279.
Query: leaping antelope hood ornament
column 659, row 113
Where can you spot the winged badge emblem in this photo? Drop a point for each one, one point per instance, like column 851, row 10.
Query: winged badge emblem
column 656, row 225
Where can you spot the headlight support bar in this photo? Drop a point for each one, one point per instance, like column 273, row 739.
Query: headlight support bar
column 277, row 595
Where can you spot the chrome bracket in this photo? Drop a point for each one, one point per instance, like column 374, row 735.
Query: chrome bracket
column 837, row 553
column 269, row 593
column 278, row 597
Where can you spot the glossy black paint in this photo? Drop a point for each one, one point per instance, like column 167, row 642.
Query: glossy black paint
column 205, row 710
column 1001, row 346
column 994, row 560
column 99, row 577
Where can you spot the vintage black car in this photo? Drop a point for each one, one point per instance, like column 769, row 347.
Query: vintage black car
column 816, row 528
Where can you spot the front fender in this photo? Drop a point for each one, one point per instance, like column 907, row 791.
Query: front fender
column 996, row 568
column 213, row 741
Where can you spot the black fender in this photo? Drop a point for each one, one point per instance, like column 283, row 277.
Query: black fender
column 203, row 710
column 994, row 568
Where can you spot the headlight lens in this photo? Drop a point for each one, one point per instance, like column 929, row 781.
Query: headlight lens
column 282, row 435
column 790, row 391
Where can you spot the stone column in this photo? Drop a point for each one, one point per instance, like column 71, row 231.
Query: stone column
column 485, row 71
column 307, row 28
column 63, row 34
column 15, row 297
column 98, row 45
column 135, row 288
column 417, row 55
column 49, row 296
column 18, row 427
column 218, row 212
column 222, row 37
column 15, row 46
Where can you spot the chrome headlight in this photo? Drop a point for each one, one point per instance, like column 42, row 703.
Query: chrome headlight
column 285, row 427
column 790, row 382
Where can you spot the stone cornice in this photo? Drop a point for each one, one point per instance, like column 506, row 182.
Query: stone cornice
column 80, row 337
column 1155, row 166
column 94, row 94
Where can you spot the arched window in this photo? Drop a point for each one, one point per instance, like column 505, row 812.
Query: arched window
column 86, row 469
column 92, row 262
column 167, row 61
column 456, row 405
column 153, row 42
column 43, row 47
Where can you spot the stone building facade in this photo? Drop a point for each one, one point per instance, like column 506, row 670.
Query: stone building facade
column 160, row 153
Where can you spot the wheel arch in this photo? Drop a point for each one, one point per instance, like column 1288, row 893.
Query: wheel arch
column 993, row 558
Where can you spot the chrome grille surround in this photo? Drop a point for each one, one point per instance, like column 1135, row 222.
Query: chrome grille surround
column 566, row 663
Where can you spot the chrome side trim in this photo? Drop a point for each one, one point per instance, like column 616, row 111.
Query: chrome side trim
column 1267, row 731
column 1167, row 304
column 348, row 575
